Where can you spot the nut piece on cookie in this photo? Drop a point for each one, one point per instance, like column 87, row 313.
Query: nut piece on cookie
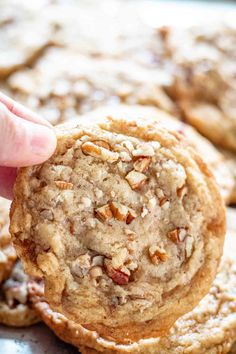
column 136, row 179
column 104, row 213
column 157, row 254
column 122, row 241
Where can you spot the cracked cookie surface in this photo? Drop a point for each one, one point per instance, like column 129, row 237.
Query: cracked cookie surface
column 110, row 218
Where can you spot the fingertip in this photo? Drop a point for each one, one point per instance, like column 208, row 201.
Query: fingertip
column 43, row 143
column 22, row 112
column 24, row 143
column 7, row 180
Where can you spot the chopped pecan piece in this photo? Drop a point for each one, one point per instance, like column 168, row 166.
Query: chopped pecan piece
column 102, row 143
column 89, row 148
column 119, row 211
column 64, row 185
column 174, row 235
column 136, row 179
column 104, row 213
column 101, row 152
column 98, row 260
column 151, row 204
column 96, row 272
column 80, row 266
column 131, row 235
column 162, row 201
column 116, row 275
column 157, row 254
column 177, row 235
column 122, row 212
column 188, row 246
column 144, row 212
column 131, row 216
column 144, row 150
column 142, row 164
column 125, row 157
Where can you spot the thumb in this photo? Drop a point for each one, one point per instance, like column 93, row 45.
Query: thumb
column 22, row 142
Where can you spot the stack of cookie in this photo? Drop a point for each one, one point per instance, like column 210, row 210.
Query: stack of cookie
column 15, row 308
column 121, row 232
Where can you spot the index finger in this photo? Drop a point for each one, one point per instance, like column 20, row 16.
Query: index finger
column 21, row 111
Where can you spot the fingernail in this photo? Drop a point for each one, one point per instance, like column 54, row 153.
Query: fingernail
column 43, row 141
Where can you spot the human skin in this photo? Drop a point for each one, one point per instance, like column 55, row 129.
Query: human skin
column 25, row 139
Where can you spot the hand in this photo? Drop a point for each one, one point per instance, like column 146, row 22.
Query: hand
column 25, row 139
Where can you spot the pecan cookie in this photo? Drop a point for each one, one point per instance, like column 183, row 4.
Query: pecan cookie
column 204, row 81
column 123, row 222
column 233, row 349
column 15, row 308
column 7, row 251
column 221, row 164
column 209, row 329
column 23, row 36
column 64, row 84
column 231, row 162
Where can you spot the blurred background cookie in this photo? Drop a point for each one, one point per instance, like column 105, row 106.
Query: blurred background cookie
column 15, row 308
column 7, row 251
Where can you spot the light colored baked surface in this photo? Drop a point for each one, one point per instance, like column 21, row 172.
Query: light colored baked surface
column 7, row 251
column 203, row 87
column 233, row 349
column 189, row 72
column 75, row 84
column 15, row 308
column 122, row 222
column 221, row 164
column 209, row 328
column 231, row 161
column 23, row 36
column 204, row 79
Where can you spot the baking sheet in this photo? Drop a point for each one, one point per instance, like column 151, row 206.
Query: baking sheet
column 37, row 339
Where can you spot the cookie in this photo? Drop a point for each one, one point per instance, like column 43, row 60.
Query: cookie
column 23, row 37
column 7, row 251
column 204, row 80
column 221, row 164
column 231, row 161
column 67, row 90
column 15, row 308
column 64, row 84
column 233, row 349
column 143, row 226
column 209, row 329
column 139, row 42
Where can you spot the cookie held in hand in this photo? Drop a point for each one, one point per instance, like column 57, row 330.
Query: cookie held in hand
column 125, row 223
